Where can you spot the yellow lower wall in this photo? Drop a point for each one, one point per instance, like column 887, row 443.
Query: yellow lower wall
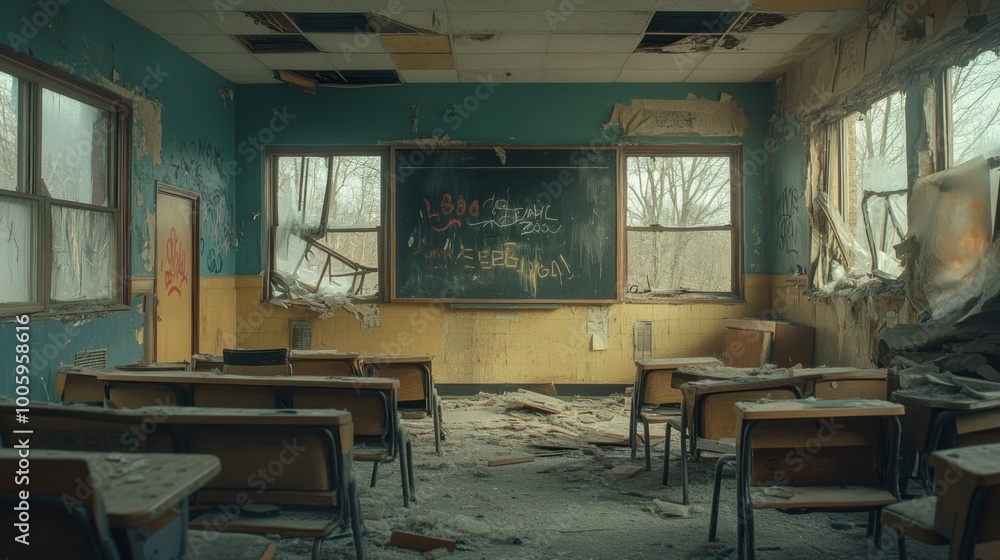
column 844, row 330
column 217, row 326
column 503, row 346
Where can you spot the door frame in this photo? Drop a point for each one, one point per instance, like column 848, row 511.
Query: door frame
column 195, row 199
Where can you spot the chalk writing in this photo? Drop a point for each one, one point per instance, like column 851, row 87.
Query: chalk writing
column 787, row 208
column 502, row 213
column 175, row 274
column 453, row 210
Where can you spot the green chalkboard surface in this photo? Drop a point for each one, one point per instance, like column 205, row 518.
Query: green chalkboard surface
column 534, row 225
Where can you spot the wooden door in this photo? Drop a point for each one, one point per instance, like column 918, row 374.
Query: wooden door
column 176, row 274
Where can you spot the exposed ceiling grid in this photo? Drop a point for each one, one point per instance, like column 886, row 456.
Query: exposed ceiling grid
column 447, row 41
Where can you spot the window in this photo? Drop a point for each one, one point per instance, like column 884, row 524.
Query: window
column 63, row 158
column 867, row 183
column 682, row 225
column 327, row 224
column 974, row 94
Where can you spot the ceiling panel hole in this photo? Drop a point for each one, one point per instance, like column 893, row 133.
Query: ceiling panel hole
column 275, row 21
column 689, row 23
column 276, row 43
column 341, row 22
column 673, row 43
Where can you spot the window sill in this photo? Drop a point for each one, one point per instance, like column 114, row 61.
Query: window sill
column 99, row 310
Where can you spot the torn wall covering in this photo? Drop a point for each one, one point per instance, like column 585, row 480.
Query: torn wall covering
column 658, row 117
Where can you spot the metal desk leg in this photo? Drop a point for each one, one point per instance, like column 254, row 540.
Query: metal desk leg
column 684, row 459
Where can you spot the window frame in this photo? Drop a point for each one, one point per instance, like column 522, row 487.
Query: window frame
column 271, row 155
column 736, row 187
column 33, row 77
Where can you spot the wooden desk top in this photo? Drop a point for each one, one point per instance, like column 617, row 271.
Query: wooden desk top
column 978, row 464
column 211, row 378
column 242, row 416
column 674, row 363
column 206, row 358
column 131, row 501
column 153, row 366
column 813, row 408
column 321, row 355
column 386, row 359
column 933, row 395
column 693, row 389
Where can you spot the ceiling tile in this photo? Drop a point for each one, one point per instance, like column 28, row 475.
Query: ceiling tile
column 548, row 22
column 595, row 43
column 362, row 61
column 296, row 61
column 416, row 43
column 174, row 23
column 812, row 6
column 347, row 42
column 559, row 6
column 500, row 43
column 810, row 22
column 225, row 6
column 736, row 76
column 435, row 21
column 740, row 61
column 209, row 44
column 230, row 61
column 382, row 7
column 555, row 61
column 581, row 76
column 248, row 76
column 148, row 6
column 429, row 76
column 762, row 42
column 424, row 61
column 704, row 5
column 652, row 75
column 510, row 76
column 672, row 61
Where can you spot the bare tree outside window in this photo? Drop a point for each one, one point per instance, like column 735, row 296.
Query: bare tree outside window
column 9, row 123
column 680, row 224
column 329, row 215
column 974, row 91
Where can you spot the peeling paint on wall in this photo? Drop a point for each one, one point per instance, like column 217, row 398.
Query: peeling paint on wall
column 147, row 115
column 147, row 251
column 658, row 117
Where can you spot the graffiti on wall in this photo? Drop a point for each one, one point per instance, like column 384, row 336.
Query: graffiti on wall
column 216, row 229
column 789, row 234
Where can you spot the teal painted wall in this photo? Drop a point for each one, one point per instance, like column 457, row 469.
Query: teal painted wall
column 790, row 230
column 490, row 114
column 179, row 108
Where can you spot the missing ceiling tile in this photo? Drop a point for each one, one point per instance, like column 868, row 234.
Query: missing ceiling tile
column 657, row 43
column 328, row 22
column 275, row 21
column 758, row 21
column 276, row 43
column 385, row 25
column 302, row 78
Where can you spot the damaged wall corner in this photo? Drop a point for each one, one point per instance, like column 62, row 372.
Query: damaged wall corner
column 661, row 117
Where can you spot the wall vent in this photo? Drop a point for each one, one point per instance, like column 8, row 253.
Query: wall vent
column 302, row 335
column 643, row 333
column 96, row 358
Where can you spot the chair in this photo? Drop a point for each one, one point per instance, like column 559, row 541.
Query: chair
column 379, row 437
column 708, row 416
column 652, row 393
column 76, row 529
column 845, row 455
column 255, row 362
column 417, row 397
column 322, row 363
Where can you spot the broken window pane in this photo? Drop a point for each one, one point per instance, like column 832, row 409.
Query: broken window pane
column 82, row 254
column 9, row 127
column 667, row 193
column 17, row 227
column 75, row 159
column 337, row 256
column 873, row 156
column 974, row 91
column 696, row 261
column 678, row 191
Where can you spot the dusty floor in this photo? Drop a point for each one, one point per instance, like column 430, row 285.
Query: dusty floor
column 574, row 505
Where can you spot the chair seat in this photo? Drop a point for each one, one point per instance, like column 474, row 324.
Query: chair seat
column 304, row 498
column 845, row 498
column 659, row 415
column 305, row 524
column 915, row 518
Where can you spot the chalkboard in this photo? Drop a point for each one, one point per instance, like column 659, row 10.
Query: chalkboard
column 528, row 225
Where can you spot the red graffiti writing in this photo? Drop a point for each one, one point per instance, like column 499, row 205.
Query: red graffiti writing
column 175, row 274
column 452, row 209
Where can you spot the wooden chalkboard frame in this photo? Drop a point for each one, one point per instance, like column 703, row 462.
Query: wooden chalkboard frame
column 618, row 242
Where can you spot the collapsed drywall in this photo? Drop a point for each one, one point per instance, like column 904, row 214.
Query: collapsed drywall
column 694, row 115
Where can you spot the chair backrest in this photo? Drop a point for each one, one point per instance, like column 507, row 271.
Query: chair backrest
column 746, row 348
column 412, row 380
column 716, row 417
column 255, row 362
column 371, row 409
column 137, row 394
column 69, row 513
column 337, row 367
column 656, row 389
column 82, row 389
column 84, row 428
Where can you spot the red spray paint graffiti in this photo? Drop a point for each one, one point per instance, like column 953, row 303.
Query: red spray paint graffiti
column 176, row 273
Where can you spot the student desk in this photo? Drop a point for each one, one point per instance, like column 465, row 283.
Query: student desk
column 418, row 397
column 154, row 366
column 139, row 511
column 940, row 416
column 206, row 362
column 684, row 375
column 968, row 509
column 324, row 362
column 654, row 385
column 832, row 478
